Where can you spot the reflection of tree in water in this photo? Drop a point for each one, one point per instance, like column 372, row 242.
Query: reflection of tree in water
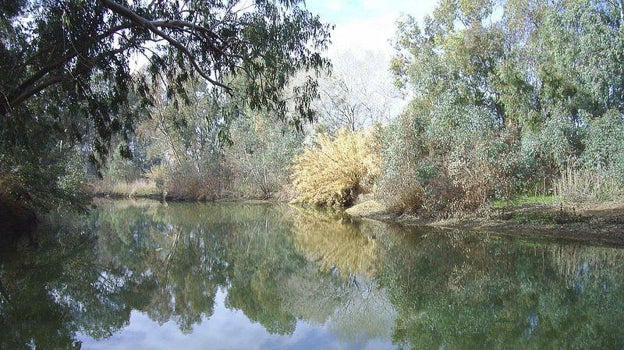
column 181, row 250
column 169, row 262
column 459, row 290
column 51, row 294
column 366, row 314
column 426, row 289
column 578, row 264
column 261, row 259
column 335, row 245
column 360, row 310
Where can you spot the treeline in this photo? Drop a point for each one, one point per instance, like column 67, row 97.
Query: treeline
column 192, row 150
column 507, row 98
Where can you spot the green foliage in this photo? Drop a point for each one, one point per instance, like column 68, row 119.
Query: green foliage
column 268, row 43
column 462, row 291
column 200, row 151
column 120, row 168
column 261, row 155
column 525, row 200
column 506, row 96
column 604, row 150
column 67, row 75
column 183, row 145
column 353, row 283
column 44, row 182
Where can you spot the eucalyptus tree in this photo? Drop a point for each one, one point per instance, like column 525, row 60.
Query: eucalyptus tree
column 508, row 90
column 67, row 68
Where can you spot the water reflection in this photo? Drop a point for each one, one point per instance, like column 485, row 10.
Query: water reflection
column 335, row 244
column 299, row 279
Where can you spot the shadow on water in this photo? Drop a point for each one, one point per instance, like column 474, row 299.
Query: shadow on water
column 280, row 266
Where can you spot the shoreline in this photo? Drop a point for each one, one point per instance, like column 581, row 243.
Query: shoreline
column 597, row 224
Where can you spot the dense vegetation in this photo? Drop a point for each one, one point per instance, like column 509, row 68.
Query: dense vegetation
column 506, row 98
column 78, row 78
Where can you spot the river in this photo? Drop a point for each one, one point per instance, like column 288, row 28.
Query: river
column 146, row 275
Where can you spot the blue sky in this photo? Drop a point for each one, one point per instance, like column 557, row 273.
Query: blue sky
column 340, row 11
column 366, row 24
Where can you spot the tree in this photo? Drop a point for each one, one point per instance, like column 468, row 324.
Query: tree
column 68, row 68
column 504, row 94
column 261, row 155
column 358, row 92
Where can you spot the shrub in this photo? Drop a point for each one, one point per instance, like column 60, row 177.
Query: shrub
column 405, row 193
column 400, row 188
column 454, row 159
column 579, row 185
column 604, row 149
column 136, row 188
column 335, row 171
column 261, row 155
column 187, row 183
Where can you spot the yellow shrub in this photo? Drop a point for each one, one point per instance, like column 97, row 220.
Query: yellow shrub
column 335, row 171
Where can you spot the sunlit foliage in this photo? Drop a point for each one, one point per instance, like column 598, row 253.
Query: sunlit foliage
column 335, row 171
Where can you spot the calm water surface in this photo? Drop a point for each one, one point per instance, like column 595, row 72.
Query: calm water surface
column 253, row 276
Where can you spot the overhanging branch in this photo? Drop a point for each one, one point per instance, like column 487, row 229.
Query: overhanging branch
column 153, row 26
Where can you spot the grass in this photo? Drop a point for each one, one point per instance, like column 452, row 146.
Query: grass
column 587, row 185
column 542, row 210
column 137, row 188
column 526, row 201
column 558, row 217
column 336, row 170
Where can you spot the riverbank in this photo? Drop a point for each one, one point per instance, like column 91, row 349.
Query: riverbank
column 595, row 223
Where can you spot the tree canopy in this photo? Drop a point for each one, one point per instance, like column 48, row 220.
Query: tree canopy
column 507, row 96
column 68, row 67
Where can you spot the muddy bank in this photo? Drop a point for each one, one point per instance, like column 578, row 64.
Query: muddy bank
column 597, row 224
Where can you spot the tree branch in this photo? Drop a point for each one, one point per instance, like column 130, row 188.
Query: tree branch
column 69, row 55
column 134, row 17
column 33, row 91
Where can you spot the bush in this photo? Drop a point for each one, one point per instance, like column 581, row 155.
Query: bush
column 58, row 178
column 580, row 185
column 186, row 183
column 136, row 188
column 400, row 188
column 454, row 159
column 401, row 192
column 261, row 156
column 604, row 150
column 335, row 171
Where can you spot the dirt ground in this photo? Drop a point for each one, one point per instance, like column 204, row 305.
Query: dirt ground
column 595, row 224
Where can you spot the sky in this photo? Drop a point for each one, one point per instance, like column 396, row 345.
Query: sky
column 366, row 24
column 361, row 44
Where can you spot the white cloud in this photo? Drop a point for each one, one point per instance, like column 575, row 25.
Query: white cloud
column 369, row 34
column 366, row 24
